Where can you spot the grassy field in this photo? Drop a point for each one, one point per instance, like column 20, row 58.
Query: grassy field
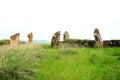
column 40, row 62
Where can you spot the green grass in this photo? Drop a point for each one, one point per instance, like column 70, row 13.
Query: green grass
column 40, row 62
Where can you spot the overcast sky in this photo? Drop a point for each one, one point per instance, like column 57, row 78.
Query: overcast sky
column 45, row 17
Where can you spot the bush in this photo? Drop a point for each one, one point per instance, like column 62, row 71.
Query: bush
column 7, row 42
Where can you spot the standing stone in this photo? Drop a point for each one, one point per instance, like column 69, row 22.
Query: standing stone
column 98, row 39
column 65, row 36
column 30, row 36
column 14, row 39
column 55, row 39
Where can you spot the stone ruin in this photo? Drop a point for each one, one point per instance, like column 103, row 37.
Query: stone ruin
column 65, row 36
column 86, row 43
column 98, row 39
column 14, row 39
column 78, row 43
column 55, row 39
column 30, row 36
column 92, row 43
column 111, row 43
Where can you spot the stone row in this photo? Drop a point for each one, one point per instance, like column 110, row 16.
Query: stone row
column 97, row 42
column 14, row 39
column 55, row 41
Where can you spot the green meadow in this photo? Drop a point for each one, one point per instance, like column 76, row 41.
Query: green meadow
column 41, row 62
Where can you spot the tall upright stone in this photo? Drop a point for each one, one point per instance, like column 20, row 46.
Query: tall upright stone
column 14, row 39
column 65, row 36
column 98, row 39
column 55, row 39
column 30, row 37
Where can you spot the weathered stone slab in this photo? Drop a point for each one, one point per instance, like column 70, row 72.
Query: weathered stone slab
column 55, row 39
column 14, row 39
column 98, row 39
column 30, row 37
column 65, row 36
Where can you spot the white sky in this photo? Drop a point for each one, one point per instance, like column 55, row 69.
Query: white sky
column 45, row 17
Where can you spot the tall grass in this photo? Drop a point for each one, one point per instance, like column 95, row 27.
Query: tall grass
column 17, row 63
column 40, row 62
